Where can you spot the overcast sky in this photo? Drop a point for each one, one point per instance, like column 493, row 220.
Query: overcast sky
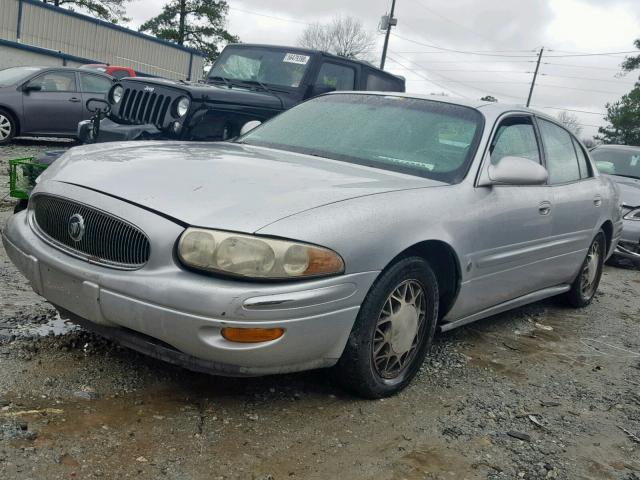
column 504, row 35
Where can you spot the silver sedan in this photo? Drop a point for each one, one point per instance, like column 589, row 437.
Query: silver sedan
column 343, row 233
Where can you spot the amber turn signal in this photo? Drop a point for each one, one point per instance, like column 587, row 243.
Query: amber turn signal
column 251, row 335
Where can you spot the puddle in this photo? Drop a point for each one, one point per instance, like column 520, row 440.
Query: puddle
column 54, row 326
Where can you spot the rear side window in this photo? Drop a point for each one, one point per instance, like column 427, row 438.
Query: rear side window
column 94, row 83
column 515, row 137
column 382, row 83
column 583, row 163
column 562, row 162
column 337, row 77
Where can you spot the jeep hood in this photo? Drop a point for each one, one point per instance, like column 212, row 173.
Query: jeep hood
column 224, row 185
column 214, row 93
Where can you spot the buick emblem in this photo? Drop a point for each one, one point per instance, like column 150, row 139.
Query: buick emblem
column 148, row 89
column 76, row 227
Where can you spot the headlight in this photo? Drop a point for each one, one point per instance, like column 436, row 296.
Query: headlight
column 255, row 257
column 182, row 106
column 633, row 215
column 116, row 94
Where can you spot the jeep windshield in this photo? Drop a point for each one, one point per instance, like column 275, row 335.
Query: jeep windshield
column 426, row 138
column 260, row 66
column 623, row 162
column 13, row 76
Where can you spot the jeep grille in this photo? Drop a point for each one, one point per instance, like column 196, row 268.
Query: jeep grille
column 139, row 107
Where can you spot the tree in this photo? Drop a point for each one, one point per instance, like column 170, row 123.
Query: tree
column 489, row 98
column 199, row 24
column 631, row 63
column 571, row 122
column 344, row 36
column 113, row 11
column 623, row 117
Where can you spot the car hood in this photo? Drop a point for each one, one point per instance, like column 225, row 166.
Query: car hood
column 629, row 190
column 214, row 93
column 224, row 185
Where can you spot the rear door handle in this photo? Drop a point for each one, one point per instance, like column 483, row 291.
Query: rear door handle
column 544, row 208
column 597, row 200
column 75, row 100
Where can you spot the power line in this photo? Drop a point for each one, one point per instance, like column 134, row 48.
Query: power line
column 579, row 66
column 426, row 78
column 579, row 89
column 464, row 52
column 289, row 20
column 618, row 81
column 600, row 54
column 419, row 2
column 571, row 110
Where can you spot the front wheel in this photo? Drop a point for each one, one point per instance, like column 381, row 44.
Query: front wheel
column 585, row 285
column 393, row 331
column 7, row 127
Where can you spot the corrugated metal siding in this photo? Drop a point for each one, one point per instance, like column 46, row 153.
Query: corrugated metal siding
column 82, row 37
column 8, row 19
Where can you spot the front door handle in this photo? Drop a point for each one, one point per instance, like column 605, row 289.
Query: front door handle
column 597, row 200
column 75, row 100
column 544, row 208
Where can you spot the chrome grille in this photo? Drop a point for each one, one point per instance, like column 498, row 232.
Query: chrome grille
column 106, row 239
column 140, row 107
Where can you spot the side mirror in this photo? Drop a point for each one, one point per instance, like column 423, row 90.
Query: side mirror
column 32, row 88
column 247, row 127
column 515, row 171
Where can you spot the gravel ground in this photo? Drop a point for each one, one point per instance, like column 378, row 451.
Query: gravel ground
column 540, row 392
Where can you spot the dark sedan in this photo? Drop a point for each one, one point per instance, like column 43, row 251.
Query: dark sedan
column 47, row 101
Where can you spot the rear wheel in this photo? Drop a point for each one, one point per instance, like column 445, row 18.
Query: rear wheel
column 585, row 285
column 393, row 331
column 7, row 127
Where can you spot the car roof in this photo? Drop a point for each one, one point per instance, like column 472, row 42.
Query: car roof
column 70, row 69
column 312, row 51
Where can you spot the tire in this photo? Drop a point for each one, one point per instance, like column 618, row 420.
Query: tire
column 585, row 285
column 20, row 206
column 7, row 127
column 378, row 327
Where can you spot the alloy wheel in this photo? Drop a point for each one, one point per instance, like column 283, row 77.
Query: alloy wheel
column 399, row 329
column 589, row 274
column 5, row 127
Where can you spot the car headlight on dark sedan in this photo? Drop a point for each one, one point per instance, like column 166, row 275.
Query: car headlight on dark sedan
column 182, row 106
column 117, row 93
column 255, row 257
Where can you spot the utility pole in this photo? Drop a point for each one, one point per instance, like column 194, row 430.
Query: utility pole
column 389, row 22
column 535, row 76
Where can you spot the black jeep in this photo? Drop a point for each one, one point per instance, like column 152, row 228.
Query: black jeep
column 246, row 83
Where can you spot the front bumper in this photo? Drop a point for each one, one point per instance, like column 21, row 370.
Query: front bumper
column 629, row 244
column 177, row 315
column 111, row 131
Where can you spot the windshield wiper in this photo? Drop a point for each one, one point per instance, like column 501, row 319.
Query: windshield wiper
column 219, row 77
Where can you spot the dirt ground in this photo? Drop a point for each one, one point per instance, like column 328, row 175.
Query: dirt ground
column 540, row 392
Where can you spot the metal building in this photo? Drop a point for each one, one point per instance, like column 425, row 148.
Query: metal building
column 35, row 33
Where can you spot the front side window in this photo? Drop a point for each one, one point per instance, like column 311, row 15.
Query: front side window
column 94, row 83
column 382, row 83
column 336, row 77
column 515, row 137
column 420, row 137
column 562, row 162
column 259, row 65
column 55, row 82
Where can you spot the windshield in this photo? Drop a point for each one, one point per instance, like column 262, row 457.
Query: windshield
column 12, row 76
column 420, row 137
column 624, row 162
column 260, row 65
